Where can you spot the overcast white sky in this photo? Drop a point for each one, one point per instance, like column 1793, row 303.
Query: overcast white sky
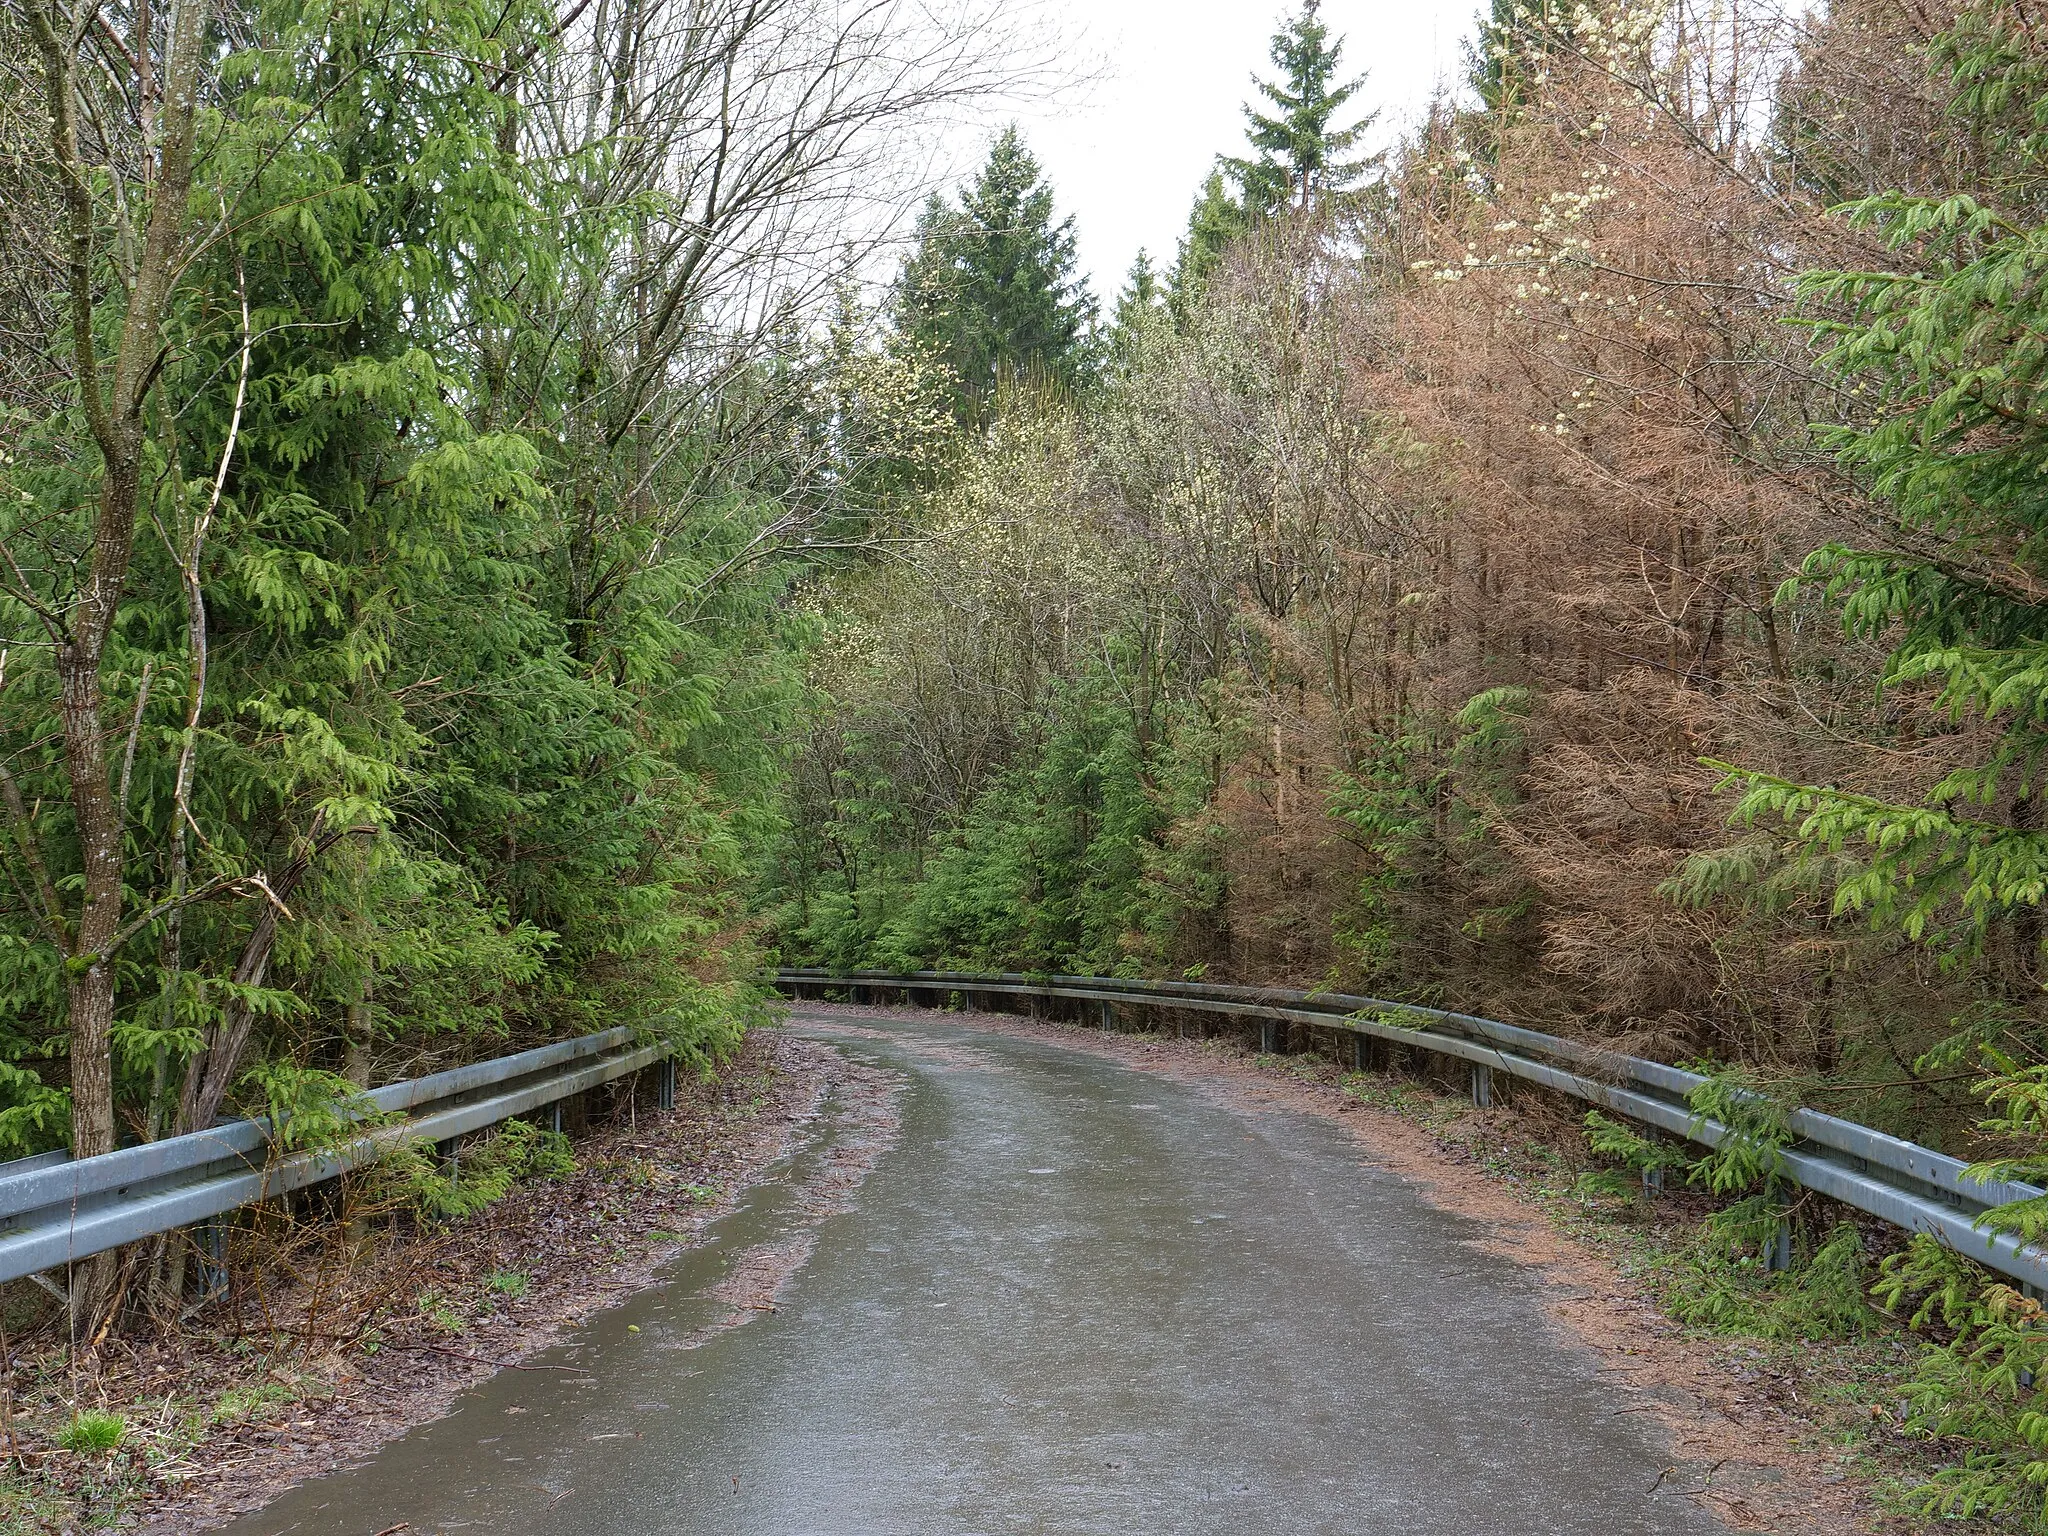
column 1127, row 153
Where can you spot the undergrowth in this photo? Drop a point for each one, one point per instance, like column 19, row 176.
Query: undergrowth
column 1969, row 1388
column 413, row 1175
column 1976, row 1390
column 1823, row 1298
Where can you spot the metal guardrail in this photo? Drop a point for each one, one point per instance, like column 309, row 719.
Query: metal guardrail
column 1900, row 1182
column 55, row 1209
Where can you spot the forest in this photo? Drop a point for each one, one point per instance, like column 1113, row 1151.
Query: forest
column 517, row 518
column 1576, row 566
column 415, row 422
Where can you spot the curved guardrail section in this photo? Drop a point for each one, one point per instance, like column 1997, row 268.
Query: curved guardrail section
column 1900, row 1182
column 55, row 1210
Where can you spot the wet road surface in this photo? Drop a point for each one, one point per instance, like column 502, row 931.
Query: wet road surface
column 1076, row 1299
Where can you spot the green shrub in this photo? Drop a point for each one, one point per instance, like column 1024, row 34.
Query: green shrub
column 1610, row 1138
column 1719, row 1286
column 1751, row 1156
column 1977, row 1391
column 1604, row 1187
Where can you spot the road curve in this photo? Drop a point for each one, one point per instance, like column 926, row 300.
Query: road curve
column 1073, row 1298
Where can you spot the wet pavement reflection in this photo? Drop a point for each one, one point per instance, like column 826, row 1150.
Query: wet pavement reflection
column 1074, row 1298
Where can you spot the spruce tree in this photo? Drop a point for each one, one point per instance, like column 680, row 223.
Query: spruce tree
column 1300, row 155
column 991, row 287
column 1216, row 219
column 1947, row 353
column 1141, row 296
column 1502, row 62
column 1140, row 305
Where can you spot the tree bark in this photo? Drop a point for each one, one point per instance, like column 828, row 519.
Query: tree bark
column 113, row 410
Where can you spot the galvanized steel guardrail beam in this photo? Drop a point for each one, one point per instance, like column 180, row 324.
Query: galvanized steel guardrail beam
column 55, row 1209
column 1901, row 1182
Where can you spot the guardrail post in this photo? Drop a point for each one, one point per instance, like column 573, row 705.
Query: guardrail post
column 212, row 1242
column 1482, row 1085
column 1653, row 1181
column 665, row 1095
column 1779, row 1254
column 1265, row 1037
column 1108, row 1015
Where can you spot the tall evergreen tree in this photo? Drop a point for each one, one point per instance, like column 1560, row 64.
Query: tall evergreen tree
column 1505, row 57
column 1216, row 219
column 1140, row 305
column 1141, row 290
column 1300, row 154
column 991, row 288
column 1948, row 350
column 1141, row 296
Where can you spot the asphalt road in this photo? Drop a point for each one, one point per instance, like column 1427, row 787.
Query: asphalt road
column 1073, row 1299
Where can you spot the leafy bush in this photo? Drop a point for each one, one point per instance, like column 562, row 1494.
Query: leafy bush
column 1723, row 1282
column 1610, row 1138
column 1715, row 1286
column 1604, row 1186
column 1749, row 1162
column 311, row 1109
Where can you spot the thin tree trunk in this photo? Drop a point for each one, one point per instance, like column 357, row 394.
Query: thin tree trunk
column 114, row 414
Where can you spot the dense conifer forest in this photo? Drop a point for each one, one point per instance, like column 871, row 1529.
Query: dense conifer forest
column 517, row 518
column 416, row 425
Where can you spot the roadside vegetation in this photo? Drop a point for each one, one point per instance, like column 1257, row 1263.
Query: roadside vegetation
column 334, row 1327
column 417, row 423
